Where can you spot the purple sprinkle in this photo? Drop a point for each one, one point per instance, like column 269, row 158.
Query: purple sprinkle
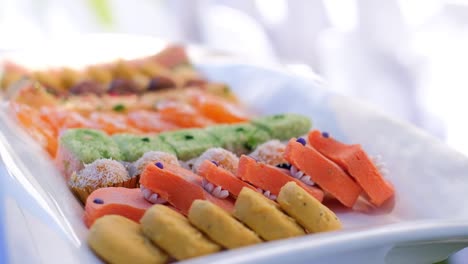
column 301, row 140
column 159, row 165
column 325, row 134
column 215, row 163
column 98, row 201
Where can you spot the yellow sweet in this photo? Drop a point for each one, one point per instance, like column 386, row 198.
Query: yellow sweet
column 172, row 232
column 117, row 239
column 220, row 226
column 308, row 211
column 264, row 217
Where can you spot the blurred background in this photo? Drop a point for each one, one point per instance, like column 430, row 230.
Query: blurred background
column 406, row 57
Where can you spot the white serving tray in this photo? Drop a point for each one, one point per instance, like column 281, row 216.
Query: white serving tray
column 42, row 221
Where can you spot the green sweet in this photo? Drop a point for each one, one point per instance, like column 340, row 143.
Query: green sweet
column 239, row 138
column 89, row 145
column 284, row 126
column 190, row 143
column 133, row 147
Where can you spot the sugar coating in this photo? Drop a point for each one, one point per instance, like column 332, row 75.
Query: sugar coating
column 270, row 152
column 100, row 173
column 224, row 158
column 154, row 156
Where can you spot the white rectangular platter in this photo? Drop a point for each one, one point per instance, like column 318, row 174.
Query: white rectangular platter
column 428, row 220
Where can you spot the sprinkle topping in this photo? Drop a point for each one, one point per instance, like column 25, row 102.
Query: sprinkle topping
column 325, row 135
column 151, row 157
column 296, row 173
column 159, row 165
column 119, row 108
column 215, row 163
column 301, row 140
column 267, row 194
column 98, row 201
column 216, row 191
column 151, row 196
